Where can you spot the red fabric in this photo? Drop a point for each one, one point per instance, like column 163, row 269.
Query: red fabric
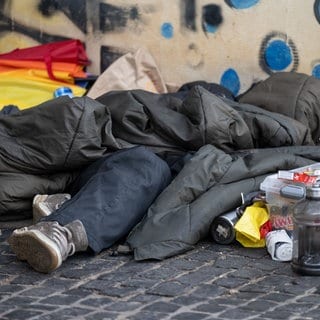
column 71, row 51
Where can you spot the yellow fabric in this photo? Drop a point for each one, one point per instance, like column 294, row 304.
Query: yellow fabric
column 248, row 226
column 28, row 88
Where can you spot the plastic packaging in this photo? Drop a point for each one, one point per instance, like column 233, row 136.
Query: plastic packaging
column 279, row 245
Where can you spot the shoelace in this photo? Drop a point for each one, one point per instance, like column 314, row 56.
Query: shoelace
column 63, row 237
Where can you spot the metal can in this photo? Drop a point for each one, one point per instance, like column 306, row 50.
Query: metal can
column 63, row 91
column 222, row 227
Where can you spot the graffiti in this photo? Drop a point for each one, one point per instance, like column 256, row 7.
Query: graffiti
column 241, row 4
column 188, row 14
column 231, row 81
column 278, row 53
column 211, row 18
column 108, row 55
column 75, row 11
column 113, row 18
column 7, row 25
column 316, row 69
column 167, row 30
column 205, row 39
column 316, row 9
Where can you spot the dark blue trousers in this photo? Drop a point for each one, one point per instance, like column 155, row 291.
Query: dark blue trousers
column 113, row 194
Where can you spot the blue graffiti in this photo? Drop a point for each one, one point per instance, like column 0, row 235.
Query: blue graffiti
column 278, row 55
column 167, row 30
column 210, row 28
column 316, row 9
column 243, row 4
column 316, row 71
column 231, row 81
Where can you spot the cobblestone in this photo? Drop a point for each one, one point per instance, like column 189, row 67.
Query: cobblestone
column 209, row 282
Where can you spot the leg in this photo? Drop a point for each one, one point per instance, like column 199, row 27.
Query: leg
column 112, row 195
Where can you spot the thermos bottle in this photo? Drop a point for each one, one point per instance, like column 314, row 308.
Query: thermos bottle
column 222, row 227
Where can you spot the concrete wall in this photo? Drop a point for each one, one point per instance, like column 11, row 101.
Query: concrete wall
column 232, row 42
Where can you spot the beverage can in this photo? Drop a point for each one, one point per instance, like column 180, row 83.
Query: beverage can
column 63, row 91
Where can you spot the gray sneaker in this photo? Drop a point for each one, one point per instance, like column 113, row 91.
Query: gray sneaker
column 43, row 204
column 47, row 244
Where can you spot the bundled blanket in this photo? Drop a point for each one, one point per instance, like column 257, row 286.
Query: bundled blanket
column 234, row 146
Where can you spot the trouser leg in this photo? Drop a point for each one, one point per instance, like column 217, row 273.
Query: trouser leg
column 113, row 194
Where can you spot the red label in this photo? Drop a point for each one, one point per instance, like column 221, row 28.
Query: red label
column 304, row 178
column 281, row 222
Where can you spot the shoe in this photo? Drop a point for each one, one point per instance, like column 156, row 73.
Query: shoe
column 47, row 244
column 43, row 204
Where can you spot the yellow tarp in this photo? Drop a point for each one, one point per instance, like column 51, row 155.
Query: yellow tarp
column 27, row 88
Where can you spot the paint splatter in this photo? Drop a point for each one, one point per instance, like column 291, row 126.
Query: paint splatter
column 278, row 55
column 167, row 30
column 231, row 81
column 241, row 4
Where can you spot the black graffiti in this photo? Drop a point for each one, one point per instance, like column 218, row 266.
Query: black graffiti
column 113, row 18
column 108, row 55
column 266, row 41
column 48, row 7
column 229, row 3
column 211, row 15
column 8, row 25
column 105, row 18
column 188, row 14
column 75, row 10
column 316, row 10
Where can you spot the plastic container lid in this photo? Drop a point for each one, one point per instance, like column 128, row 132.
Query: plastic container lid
column 272, row 184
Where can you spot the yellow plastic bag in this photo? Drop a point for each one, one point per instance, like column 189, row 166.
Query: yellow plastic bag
column 248, row 226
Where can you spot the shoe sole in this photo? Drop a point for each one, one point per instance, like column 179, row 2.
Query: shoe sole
column 38, row 250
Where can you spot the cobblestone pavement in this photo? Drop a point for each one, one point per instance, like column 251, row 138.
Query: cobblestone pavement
column 210, row 282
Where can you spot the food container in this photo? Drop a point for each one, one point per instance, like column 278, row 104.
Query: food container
column 284, row 190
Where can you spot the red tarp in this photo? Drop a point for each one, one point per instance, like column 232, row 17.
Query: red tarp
column 70, row 51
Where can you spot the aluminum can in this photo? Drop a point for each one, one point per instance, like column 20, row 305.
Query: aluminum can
column 63, row 91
